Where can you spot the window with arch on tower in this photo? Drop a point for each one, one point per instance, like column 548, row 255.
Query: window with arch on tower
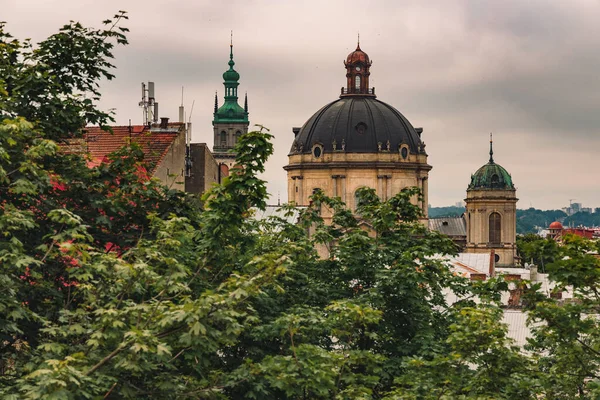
column 357, row 82
column 223, row 138
column 238, row 134
column 495, row 228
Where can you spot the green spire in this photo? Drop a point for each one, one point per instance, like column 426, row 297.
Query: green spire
column 230, row 111
column 231, row 76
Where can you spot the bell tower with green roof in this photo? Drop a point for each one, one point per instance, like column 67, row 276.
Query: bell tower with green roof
column 491, row 213
column 230, row 120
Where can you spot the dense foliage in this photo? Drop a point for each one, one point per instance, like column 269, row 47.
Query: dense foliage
column 118, row 287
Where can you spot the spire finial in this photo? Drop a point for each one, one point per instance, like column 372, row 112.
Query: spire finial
column 358, row 41
column 246, row 103
column 491, row 149
column 216, row 103
column 231, row 46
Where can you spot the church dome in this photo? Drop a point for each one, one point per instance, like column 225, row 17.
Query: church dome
column 555, row 225
column 357, row 124
column 491, row 176
column 357, row 56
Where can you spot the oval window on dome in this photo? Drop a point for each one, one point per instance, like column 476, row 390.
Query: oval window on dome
column 317, row 151
column 404, row 152
column 495, row 179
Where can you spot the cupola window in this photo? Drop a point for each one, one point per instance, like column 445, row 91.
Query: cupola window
column 223, row 138
column 357, row 82
column 495, row 180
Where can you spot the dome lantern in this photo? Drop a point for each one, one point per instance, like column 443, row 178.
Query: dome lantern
column 357, row 74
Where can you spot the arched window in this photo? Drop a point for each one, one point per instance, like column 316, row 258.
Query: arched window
column 223, row 138
column 238, row 134
column 357, row 82
column 495, row 228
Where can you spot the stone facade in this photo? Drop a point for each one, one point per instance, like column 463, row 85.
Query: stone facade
column 342, row 174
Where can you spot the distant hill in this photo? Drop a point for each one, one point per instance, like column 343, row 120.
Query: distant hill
column 528, row 220
column 451, row 211
column 581, row 218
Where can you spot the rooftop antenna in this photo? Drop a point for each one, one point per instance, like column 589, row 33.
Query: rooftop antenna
column 191, row 111
column 181, row 109
column 149, row 104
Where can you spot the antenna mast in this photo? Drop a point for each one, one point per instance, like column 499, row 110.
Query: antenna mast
column 149, row 104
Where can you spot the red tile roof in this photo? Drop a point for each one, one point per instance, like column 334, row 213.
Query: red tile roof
column 99, row 144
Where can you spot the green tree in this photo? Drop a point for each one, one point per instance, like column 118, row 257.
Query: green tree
column 114, row 284
column 566, row 333
column 539, row 251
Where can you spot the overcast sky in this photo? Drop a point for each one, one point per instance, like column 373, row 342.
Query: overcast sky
column 526, row 70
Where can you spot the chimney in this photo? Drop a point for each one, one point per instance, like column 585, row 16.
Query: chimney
column 492, row 263
column 164, row 122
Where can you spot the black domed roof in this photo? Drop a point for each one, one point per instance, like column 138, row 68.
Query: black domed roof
column 357, row 124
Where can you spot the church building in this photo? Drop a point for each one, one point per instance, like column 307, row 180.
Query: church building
column 356, row 141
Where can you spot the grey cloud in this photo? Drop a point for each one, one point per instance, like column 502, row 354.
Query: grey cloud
column 525, row 70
